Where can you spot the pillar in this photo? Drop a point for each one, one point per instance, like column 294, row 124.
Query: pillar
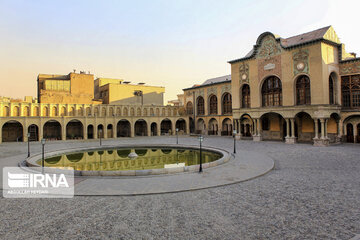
column 132, row 132
column 85, row 132
column 148, row 127
column 325, row 129
column 316, row 128
column 322, row 122
column 96, row 136
column 63, row 131
column 258, row 136
column 173, row 127
column 355, row 132
column 292, row 127
column 158, row 129
column 290, row 138
column 287, row 127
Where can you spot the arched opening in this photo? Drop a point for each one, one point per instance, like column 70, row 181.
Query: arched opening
column 34, row 132
column 200, row 106
column 332, row 88
column 246, row 125
column 6, row 111
column 349, row 133
column 140, row 128
column 358, row 133
column 141, row 152
column 189, row 108
column 273, row 126
column 110, row 131
column 333, row 127
column 52, row 130
column 303, row 96
column 54, row 111
column 16, row 111
column 100, row 130
column 123, row 128
column 200, row 126
column 271, row 92
column 63, row 111
column 213, row 127
column 245, row 96
column 74, row 130
column 213, row 105
column 166, row 128
column 90, row 132
column 36, row 111
column 191, row 125
column 181, row 126
column 226, row 103
column 26, row 111
column 305, row 128
column 12, row 131
column 227, row 127
column 153, row 129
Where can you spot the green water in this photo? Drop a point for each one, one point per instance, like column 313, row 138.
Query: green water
column 117, row 159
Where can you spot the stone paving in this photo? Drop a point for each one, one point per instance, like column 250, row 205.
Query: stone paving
column 313, row 193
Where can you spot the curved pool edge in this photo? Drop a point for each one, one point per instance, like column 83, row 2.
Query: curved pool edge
column 31, row 161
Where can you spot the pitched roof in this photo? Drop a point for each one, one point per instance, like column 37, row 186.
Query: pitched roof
column 305, row 37
column 211, row 81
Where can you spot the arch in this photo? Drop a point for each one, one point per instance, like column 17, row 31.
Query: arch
column 125, row 111
column 63, row 111
column 163, row 112
column 304, row 127
column 111, row 112
column 166, row 127
column 140, row 128
column 132, row 112
column 88, row 111
column 227, row 127
column 200, row 106
column 72, row 111
column 12, row 131
column 100, row 131
column 118, row 111
column 303, row 93
column 213, row 104
column 96, row 111
column 75, row 157
column 36, row 112
column 169, row 112
column 273, row 126
column 152, row 112
column 200, row 126
column 332, row 88
column 90, row 131
column 246, row 125
column 245, row 96
column 349, row 133
column 226, row 103
column 157, row 112
column 138, row 112
column 189, row 108
column 52, row 130
column 271, row 92
column 181, row 126
column 141, row 151
column 153, row 129
column 80, row 111
column 145, row 112
column 123, row 128
column 123, row 153
column 103, row 111
column 16, row 111
column 74, row 130
column 33, row 129
column 26, row 111
column 358, row 133
column 333, row 127
column 54, row 111
column 6, row 111
column 191, row 125
column 213, row 127
column 110, row 131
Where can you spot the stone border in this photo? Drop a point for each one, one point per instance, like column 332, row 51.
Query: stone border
column 31, row 162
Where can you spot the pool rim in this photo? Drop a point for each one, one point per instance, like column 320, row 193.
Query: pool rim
column 225, row 157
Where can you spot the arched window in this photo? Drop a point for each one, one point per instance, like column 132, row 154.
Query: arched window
column 303, row 96
column 271, row 92
column 227, row 103
column 245, row 93
column 350, row 89
column 200, row 106
column 213, row 104
column 331, row 90
column 189, row 108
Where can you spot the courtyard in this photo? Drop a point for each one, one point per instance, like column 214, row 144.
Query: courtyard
column 311, row 193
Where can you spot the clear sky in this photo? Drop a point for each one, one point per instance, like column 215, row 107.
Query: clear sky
column 171, row 43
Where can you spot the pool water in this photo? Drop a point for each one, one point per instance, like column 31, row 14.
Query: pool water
column 118, row 160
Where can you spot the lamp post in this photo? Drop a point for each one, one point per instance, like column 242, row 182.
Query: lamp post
column 234, row 133
column 28, row 140
column 201, row 138
column 43, row 155
column 100, row 133
column 177, row 137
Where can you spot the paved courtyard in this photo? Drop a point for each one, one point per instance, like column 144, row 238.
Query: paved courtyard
column 312, row 193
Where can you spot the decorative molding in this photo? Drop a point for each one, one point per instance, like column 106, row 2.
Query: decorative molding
column 199, row 92
column 269, row 47
column 226, row 88
column 349, row 68
column 244, row 73
column 211, row 90
column 301, row 61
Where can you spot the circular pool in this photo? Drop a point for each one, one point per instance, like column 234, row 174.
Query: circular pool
column 125, row 160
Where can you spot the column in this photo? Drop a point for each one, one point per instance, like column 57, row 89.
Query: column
column 255, row 127
column 292, row 127
column 173, row 127
column 96, row 136
column 316, row 128
column 325, row 129
column 158, row 128
column 85, row 131
column 148, row 130
column 187, row 127
column 132, row 132
column 287, row 127
column 63, row 131
column 0, row 134
column 355, row 132
column 322, row 122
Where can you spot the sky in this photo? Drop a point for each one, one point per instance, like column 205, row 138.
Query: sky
column 170, row 43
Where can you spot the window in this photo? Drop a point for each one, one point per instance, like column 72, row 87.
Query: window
column 200, row 106
column 271, row 92
column 350, row 89
column 245, row 93
column 331, row 90
column 213, row 104
column 189, row 108
column 303, row 96
column 227, row 103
